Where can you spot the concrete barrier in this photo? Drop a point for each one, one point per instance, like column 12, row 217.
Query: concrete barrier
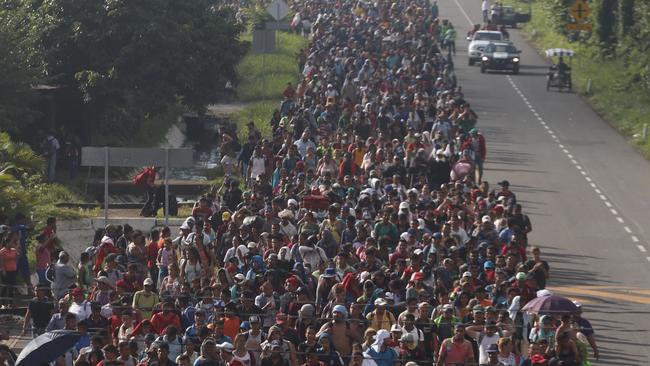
column 77, row 235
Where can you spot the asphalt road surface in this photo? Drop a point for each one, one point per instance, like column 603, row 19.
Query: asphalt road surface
column 586, row 190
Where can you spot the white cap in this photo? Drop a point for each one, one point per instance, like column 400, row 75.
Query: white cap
column 292, row 201
column 148, row 281
column 226, row 346
column 467, row 274
column 404, row 205
column 395, row 328
column 239, row 277
column 486, row 218
column 405, row 236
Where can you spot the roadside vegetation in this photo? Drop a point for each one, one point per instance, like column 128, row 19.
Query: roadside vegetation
column 22, row 188
column 263, row 78
column 615, row 56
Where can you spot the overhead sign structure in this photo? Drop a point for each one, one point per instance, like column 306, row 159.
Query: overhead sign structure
column 579, row 11
column 136, row 157
column 278, row 9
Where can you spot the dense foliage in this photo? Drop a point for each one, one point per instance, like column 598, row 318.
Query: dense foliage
column 129, row 61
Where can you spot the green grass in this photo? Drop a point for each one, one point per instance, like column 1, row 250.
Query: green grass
column 264, row 76
column 263, row 79
column 258, row 112
column 615, row 95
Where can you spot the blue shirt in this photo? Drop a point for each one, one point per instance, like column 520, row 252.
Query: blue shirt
column 385, row 358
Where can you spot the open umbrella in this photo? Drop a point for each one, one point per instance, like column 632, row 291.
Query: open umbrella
column 551, row 304
column 47, row 347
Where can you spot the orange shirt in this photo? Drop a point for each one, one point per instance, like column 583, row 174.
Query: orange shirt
column 231, row 326
column 9, row 256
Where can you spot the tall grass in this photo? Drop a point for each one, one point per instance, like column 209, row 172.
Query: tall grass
column 615, row 95
column 264, row 76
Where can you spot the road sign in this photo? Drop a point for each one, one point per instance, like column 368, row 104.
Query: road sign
column 278, row 9
column 579, row 27
column 263, row 41
column 136, row 157
column 278, row 26
column 580, row 10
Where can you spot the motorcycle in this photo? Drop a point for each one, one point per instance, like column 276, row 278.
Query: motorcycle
column 554, row 77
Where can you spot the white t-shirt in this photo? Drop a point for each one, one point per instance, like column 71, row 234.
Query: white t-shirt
column 82, row 311
column 485, row 5
column 258, row 167
column 417, row 334
column 484, row 344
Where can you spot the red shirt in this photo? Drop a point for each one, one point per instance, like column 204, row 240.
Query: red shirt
column 160, row 321
column 151, row 250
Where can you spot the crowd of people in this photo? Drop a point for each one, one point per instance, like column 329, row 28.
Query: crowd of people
column 360, row 233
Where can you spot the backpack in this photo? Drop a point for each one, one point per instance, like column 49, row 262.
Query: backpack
column 141, row 178
column 50, row 273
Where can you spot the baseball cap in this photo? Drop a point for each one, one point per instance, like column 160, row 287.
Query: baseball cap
column 381, row 302
column 521, row 276
column 254, row 319
column 488, row 265
column 147, row 282
column 340, row 309
column 280, row 318
column 486, row 218
column 395, row 328
column 226, row 346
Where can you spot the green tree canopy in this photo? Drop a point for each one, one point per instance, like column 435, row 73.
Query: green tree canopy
column 132, row 60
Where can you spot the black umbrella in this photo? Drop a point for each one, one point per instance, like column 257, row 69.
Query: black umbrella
column 47, row 347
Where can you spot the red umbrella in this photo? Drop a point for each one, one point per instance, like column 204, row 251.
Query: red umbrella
column 552, row 304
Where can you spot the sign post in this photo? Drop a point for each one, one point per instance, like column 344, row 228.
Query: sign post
column 136, row 157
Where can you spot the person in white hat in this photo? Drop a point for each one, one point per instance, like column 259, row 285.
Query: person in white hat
column 380, row 318
column 145, row 299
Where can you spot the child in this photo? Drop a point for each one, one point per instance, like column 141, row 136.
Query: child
column 166, row 256
column 43, row 258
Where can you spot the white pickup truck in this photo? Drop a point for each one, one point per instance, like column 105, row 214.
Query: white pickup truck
column 479, row 41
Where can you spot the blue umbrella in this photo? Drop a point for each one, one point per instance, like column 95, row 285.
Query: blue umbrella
column 47, row 347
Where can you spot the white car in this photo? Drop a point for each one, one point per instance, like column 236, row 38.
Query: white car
column 479, row 41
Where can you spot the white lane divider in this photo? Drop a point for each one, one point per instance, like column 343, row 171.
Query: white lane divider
column 543, row 123
column 565, row 150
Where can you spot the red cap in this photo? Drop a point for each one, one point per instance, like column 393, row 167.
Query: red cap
column 280, row 318
column 293, row 281
column 417, row 276
column 77, row 291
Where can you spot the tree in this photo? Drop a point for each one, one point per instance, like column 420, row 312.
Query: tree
column 16, row 79
column 131, row 60
column 19, row 168
column 627, row 16
column 607, row 24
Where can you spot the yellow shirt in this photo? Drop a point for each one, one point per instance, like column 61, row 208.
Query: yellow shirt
column 385, row 321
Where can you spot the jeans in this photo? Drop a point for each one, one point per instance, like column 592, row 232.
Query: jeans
column 51, row 168
column 41, row 276
column 162, row 273
column 9, row 287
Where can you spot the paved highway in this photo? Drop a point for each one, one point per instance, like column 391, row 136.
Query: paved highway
column 585, row 188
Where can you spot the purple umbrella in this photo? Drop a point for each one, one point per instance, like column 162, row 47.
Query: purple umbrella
column 551, row 304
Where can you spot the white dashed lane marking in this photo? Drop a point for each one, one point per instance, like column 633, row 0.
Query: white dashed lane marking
column 565, row 150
